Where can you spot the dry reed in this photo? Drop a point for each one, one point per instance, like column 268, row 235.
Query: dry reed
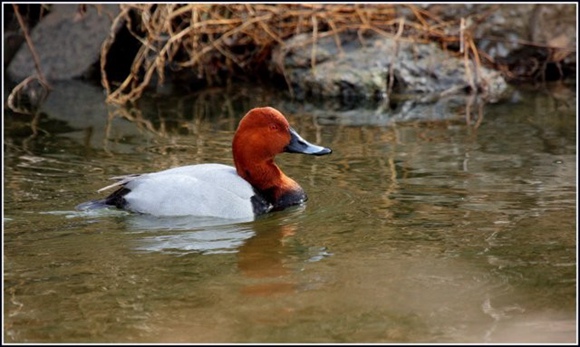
column 210, row 37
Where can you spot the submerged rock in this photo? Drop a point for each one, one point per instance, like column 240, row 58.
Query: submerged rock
column 364, row 70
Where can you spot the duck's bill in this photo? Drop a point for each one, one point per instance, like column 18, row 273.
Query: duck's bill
column 299, row 145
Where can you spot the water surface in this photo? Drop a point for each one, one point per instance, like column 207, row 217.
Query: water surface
column 452, row 229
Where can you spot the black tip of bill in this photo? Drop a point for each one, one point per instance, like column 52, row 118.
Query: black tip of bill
column 299, row 145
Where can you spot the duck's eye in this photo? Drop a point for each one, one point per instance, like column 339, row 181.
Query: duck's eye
column 273, row 127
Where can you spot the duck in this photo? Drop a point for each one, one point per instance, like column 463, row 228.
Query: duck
column 254, row 186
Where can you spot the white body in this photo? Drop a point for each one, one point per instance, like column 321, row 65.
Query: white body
column 213, row 190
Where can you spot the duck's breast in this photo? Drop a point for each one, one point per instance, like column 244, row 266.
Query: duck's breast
column 200, row 190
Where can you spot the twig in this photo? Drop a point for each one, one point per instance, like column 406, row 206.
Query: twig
column 35, row 98
column 314, row 40
column 392, row 65
column 30, row 46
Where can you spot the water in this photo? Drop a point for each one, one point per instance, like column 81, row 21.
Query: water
column 444, row 230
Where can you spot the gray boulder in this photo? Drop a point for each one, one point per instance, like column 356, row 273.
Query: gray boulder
column 67, row 42
column 362, row 70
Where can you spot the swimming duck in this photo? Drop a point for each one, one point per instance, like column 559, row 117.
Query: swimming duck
column 255, row 186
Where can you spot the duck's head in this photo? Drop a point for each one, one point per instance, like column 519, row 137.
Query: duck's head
column 262, row 134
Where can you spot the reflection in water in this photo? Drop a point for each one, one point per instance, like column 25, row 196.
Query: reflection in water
column 262, row 257
column 440, row 231
column 188, row 234
column 261, row 246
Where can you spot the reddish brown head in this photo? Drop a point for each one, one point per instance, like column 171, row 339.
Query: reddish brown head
column 261, row 135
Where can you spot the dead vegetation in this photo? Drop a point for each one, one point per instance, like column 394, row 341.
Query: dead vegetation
column 210, row 38
column 209, row 41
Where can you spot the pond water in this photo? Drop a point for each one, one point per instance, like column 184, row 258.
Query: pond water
column 458, row 228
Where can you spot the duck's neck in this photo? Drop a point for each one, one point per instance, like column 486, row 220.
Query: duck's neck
column 272, row 184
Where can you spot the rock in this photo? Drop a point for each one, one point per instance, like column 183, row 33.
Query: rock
column 67, row 41
column 531, row 41
column 91, row 123
column 361, row 70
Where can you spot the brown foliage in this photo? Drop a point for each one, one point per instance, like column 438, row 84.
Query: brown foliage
column 209, row 39
column 240, row 36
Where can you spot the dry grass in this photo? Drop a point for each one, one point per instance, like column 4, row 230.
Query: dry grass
column 237, row 37
column 224, row 39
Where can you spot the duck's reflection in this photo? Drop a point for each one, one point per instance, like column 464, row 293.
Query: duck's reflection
column 262, row 258
column 188, row 234
column 261, row 245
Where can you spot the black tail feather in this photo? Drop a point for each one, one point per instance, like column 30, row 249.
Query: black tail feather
column 116, row 199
